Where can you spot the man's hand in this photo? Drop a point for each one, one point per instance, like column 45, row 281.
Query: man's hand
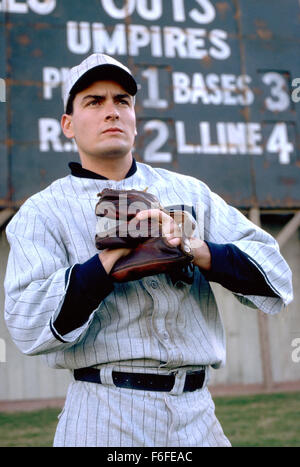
column 109, row 257
column 173, row 233
column 202, row 256
column 169, row 228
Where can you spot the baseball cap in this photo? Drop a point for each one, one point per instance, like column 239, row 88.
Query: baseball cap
column 97, row 66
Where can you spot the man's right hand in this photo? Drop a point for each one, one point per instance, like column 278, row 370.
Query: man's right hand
column 109, row 257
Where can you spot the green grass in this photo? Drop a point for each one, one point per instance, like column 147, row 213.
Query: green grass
column 264, row 420
column 28, row 429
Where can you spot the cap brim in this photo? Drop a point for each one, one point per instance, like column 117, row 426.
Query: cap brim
column 106, row 72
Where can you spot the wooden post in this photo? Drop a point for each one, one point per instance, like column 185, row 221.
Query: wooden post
column 288, row 230
column 264, row 339
column 5, row 215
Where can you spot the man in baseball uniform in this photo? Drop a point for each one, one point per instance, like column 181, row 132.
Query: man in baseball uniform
column 139, row 351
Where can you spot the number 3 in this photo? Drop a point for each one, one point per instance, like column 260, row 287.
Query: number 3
column 280, row 99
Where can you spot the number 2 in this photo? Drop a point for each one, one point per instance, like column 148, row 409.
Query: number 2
column 152, row 151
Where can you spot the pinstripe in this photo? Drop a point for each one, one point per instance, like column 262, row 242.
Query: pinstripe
column 80, row 428
column 201, row 336
column 88, row 419
column 107, row 340
column 180, row 423
column 109, row 424
column 195, row 426
column 120, row 431
column 131, row 422
column 117, row 329
column 70, row 399
column 96, row 331
column 96, row 419
column 142, row 330
column 130, row 319
column 143, row 326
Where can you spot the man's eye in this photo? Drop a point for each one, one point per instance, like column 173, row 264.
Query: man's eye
column 93, row 102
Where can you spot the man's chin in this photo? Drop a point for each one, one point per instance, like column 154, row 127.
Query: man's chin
column 112, row 153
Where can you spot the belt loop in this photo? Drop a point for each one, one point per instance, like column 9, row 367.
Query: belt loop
column 106, row 375
column 180, row 376
column 207, row 375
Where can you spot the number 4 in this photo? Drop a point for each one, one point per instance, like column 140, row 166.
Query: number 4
column 278, row 143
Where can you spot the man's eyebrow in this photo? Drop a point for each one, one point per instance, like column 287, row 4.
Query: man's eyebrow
column 98, row 96
column 121, row 96
column 92, row 96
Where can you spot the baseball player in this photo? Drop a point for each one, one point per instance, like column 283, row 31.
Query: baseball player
column 139, row 351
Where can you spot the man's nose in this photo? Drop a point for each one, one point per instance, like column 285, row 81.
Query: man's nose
column 112, row 113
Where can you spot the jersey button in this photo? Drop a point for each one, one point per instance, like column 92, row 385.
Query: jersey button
column 154, row 284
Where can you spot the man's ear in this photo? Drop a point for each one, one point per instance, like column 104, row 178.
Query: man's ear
column 66, row 125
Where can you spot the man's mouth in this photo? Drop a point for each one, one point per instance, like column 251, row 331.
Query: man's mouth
column 113, row 130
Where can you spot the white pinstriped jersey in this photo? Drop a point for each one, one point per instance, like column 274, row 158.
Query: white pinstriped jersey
column 148, row 323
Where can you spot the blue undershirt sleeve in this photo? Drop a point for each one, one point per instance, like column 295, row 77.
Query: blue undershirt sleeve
column 89, row 284
column 236, row 271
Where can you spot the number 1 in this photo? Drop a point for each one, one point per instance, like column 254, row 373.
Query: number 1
column 153, row 100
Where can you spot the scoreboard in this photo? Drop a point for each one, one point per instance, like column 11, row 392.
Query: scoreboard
column 219, row 90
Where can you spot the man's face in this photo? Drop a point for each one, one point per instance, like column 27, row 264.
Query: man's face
column 103, row 122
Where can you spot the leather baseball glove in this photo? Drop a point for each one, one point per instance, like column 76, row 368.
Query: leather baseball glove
column 151, row 253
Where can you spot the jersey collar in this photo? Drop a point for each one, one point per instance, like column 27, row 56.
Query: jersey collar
column 78, row 171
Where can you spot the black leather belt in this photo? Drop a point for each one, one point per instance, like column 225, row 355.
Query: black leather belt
column 143, row 381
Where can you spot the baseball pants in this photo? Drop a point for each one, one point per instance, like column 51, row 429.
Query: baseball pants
column 103, row 415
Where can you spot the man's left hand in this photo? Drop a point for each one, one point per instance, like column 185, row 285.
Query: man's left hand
column 173, row 233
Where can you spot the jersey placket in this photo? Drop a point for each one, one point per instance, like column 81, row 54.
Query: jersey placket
column 164, row 319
